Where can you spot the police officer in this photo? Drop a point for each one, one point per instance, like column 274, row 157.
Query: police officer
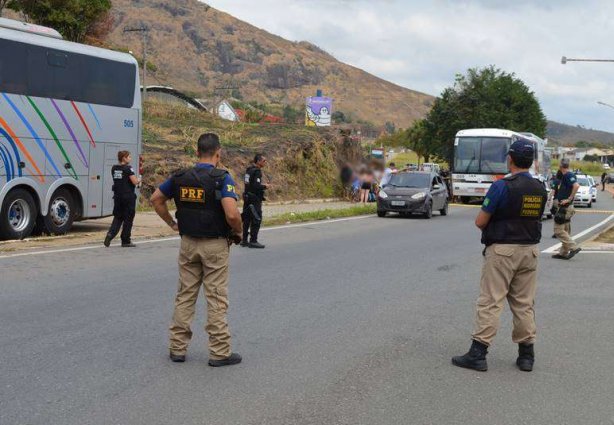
column 510, row 220
column 252, row 202
column 563, row 202
column 124, row 198
column 208, row 220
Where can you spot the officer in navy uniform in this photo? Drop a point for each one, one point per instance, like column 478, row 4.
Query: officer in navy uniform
column 124, row 198
column 510, row 220
column 252, row 202
column 208, row 221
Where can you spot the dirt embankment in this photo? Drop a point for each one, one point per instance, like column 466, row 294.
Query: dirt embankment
column 302, row 162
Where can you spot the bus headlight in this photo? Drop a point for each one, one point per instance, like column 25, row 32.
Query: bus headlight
column 419, row 195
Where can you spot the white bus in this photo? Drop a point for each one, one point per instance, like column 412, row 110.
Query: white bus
column 66, row 109
column 480, row 158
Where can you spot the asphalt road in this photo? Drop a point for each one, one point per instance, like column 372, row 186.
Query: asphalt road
column 352, row 322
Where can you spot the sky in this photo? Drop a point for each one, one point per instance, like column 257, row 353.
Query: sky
column 422, row 45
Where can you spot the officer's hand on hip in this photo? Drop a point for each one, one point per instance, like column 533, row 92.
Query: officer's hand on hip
column 234, row 238
column 173, row 225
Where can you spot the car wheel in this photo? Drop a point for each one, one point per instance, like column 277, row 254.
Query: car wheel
column 444, row 210
column 590, row 205
column 381, row 213
column 465, row 199
column 60, row 214
column 428, row 213
column 17, row 215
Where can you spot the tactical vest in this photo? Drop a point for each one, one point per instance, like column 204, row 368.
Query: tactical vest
column 250, row 182
column 121, row 181
column 519, row 220
column 198, row 196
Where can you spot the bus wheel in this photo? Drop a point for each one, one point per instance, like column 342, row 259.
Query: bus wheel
column 60, row 215
column 17, row 215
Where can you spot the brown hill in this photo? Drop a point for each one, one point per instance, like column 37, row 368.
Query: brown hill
column 196, row 48
column 568, row 135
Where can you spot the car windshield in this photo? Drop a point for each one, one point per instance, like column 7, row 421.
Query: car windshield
column 583, row 181
column 410, row 180
column 486, row 155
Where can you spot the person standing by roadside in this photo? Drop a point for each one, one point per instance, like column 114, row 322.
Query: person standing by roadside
column 563, row 202
column 124, row 200
column 388, row 172
column 604, row 180
column 208, row 221
column 252, row 202
column 510, row 220
column 366, row 179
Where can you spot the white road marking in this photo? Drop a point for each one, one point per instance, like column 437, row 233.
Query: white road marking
column 556, row 247
column 175, row 238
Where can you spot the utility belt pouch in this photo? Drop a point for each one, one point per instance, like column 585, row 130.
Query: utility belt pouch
column 561, row 216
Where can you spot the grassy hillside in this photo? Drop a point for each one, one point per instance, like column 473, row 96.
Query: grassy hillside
column 200, row 50
column 563, row 134
column 303, row 162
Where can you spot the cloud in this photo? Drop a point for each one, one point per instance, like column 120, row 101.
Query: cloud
column 422, row 45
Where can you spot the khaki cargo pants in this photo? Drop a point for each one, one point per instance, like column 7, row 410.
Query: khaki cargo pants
column 509, row 272
column 562, row 232
column 202, row 262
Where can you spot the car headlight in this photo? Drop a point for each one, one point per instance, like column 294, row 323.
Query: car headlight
column 419, row 195
column 383, row 194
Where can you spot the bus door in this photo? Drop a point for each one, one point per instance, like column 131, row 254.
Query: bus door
column 96, row 179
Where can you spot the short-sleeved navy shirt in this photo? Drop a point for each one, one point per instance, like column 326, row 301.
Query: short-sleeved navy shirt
column 228, row 188
column 497, row 195
column 566, row 186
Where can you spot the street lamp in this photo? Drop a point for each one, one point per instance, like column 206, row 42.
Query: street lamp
column 565, row 59
column 143, row 30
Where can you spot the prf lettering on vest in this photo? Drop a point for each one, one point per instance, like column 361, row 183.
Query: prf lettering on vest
column 531, row 206
column 191, row 194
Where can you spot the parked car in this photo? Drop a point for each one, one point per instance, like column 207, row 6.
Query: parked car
column 606, row 166
column 419, row 192
column 584, row 196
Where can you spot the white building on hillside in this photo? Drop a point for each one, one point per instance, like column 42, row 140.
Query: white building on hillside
column 225, row 111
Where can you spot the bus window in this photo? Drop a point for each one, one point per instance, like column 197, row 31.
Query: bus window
column 42, row 72
column 108, row 82
column 51, row 73
column 13, row 62
column 494, row 155
column 467, row 157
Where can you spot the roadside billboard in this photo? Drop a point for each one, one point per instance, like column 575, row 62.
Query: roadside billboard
column 318, row 111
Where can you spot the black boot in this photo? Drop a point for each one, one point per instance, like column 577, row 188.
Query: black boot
column 234, row 358
column 526, row 357
column 475, row 359
column 107, row 240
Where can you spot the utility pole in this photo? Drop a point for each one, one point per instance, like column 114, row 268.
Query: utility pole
column 143, row 30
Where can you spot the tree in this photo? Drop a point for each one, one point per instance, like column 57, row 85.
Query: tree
column 417, row 139
column 74, row 19
column 339, row 117
column 482, row 98
column 3, row 4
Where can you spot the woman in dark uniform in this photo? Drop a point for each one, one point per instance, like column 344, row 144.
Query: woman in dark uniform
column 124, row 197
